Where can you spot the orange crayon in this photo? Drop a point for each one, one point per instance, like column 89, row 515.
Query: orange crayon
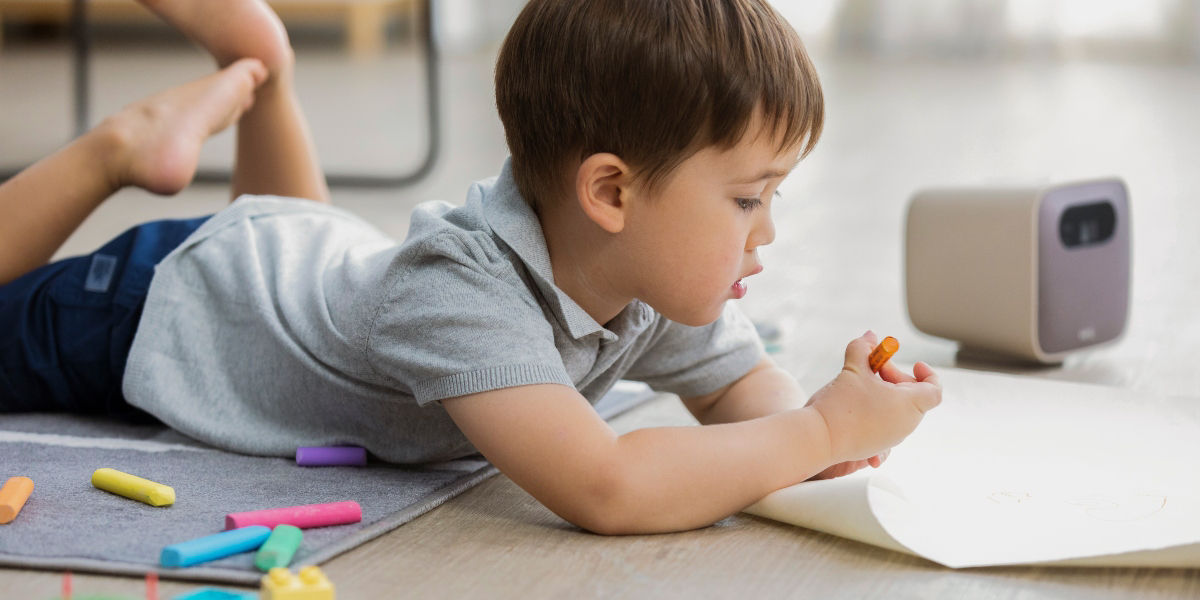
column 13, row 496
column 882, row 353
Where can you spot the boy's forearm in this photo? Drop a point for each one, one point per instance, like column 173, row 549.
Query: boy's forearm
column 686, row 477
column 765, row 390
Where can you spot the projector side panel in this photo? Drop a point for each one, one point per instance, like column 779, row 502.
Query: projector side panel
column 970, row 266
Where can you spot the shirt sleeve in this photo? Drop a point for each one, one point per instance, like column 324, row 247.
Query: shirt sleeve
column 457, row 321
column 693, row 361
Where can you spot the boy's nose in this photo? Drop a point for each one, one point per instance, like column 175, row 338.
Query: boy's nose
column 763, row 232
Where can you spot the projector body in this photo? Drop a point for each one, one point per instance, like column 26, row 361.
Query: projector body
column 1031, row 273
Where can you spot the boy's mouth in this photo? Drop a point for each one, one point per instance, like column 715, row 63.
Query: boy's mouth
column 739, row 290
column 739, row 287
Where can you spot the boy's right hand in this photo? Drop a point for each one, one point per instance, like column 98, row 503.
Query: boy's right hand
column 866, row 415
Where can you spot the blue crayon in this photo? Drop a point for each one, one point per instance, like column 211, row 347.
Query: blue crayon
column 216, row 594
column 212, row 547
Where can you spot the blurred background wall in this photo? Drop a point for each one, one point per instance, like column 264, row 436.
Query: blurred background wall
column 1014, row 29
column 1044, row 29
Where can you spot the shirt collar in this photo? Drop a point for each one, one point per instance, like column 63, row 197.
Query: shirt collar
column 514, row 221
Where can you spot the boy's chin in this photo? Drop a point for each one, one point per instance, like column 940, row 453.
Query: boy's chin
column 693, row 316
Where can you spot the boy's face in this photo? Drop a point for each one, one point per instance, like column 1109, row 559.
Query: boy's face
column 696, row 240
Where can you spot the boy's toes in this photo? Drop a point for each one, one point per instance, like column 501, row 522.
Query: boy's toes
column 248, row 74
column 252, row 67
column 233, row 93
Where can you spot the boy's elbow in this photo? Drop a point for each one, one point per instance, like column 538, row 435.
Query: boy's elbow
column 607, row 519
column 607, row 506
column 603, row 524
column 618, row 502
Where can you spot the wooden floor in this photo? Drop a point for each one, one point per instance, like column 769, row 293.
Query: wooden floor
column 834, row 271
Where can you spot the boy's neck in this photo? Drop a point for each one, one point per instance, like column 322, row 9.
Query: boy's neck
column 583, row 261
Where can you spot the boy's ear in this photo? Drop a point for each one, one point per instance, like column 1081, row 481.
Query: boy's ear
column 602, row 188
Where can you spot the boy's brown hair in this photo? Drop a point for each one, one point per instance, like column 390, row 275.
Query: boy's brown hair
column 652, row 81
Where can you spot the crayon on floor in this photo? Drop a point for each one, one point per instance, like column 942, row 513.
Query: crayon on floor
column 212, row 547
column 133, row 487
column 279, row 549
column 305, row 516
column 331, row 456
column 13, row 496
column 209, row 593
column 882, row 353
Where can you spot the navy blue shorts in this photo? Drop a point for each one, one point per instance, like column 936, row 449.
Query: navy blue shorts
column 66, row 328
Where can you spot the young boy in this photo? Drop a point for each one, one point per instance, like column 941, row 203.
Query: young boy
column 647, row 139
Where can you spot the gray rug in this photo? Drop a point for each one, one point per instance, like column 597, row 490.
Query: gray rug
column 68, row 524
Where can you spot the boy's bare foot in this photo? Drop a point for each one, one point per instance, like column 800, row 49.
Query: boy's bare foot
column 230, row 29
column 156, row 142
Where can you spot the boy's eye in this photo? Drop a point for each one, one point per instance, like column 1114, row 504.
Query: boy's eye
column 748, row 204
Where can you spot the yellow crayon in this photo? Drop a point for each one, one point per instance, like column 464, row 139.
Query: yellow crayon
column 133, row 487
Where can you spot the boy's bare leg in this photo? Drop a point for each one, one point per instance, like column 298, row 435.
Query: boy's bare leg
column 154, row 144
column 275, row 151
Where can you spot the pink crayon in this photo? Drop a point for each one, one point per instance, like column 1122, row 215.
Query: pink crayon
column 306, row 516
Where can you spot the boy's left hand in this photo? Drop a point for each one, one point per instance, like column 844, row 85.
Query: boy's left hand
column 892, row 374
column 848, row 467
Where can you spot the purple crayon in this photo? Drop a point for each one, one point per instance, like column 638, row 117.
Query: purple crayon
column 331, row 456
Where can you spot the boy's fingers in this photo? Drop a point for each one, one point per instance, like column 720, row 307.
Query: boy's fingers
column 859, row 348
column 893, row 374
column 928, row 397
column 925, row 374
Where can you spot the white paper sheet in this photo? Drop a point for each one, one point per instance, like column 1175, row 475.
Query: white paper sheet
column 1013, row 470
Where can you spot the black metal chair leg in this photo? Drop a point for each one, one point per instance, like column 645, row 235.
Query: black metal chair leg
column 80, row 51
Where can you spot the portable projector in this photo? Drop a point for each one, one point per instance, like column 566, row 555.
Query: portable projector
column 1029, row 273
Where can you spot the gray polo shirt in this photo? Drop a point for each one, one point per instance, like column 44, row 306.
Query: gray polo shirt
column 283, row 323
